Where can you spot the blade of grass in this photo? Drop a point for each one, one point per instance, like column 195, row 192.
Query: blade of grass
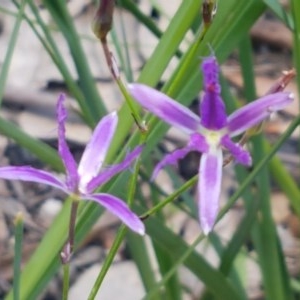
column 276, row 284
column 19, row 223
column 295, row 8
column 233, row 275
column 139, row 251
column 53, row 50
column 44, row 152
column 172, row 288
column 264, row 231
column 147, row 21
column 176, row 248
column 246, row 62
column 152, row 294
column 284, row 180
column 280, row 12
column 64, row 21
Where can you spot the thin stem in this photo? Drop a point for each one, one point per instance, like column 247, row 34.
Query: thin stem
column 19, row 222
column 112, row 65
column 169, row 199
column 68, row 248
column 72, row 223
column 66, row 280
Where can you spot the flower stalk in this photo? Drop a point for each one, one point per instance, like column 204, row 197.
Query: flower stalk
column 68, row 248
column 101, row 26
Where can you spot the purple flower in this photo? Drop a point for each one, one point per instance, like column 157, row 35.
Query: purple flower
column 81, row 181
column 209, row 134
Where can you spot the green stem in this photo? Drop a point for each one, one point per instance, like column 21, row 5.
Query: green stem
column 132, row 107
column 74, row 208
column 68, row 248
column 66, row 280
column 170, row 198
column 112, row 65
column 19, row 222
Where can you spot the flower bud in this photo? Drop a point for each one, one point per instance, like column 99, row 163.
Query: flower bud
column 209, row 9
column 102, row 22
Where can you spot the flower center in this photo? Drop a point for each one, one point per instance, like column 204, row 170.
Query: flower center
column 213, row 137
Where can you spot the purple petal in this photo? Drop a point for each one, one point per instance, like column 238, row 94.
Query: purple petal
column 210, row 70
column 241, row 155
column 63, row 149
column 254, row 112
column 209, row 187
column 213, row 113
column 120, row 209
column 164, row 107
column 95, row 151
column 170, row 159
column 25, row 173
column 198, row 142
column 107, row 174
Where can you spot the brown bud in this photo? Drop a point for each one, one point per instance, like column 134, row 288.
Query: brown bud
column 102, row 22
column 208, row 11
column 282, row 82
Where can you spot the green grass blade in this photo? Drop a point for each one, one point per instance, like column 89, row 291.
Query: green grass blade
column 280, row 12
column 139, row 251
column 176, row 247
column 64, row 21
column 295, row 7
column 246, row 61
column 284, row 180
column 44, row 152
column 52, row 48
column 276, row 285
column 172, row 285
column 19, row 227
